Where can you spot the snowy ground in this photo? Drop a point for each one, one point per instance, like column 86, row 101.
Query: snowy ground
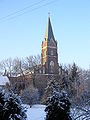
column 36, row 112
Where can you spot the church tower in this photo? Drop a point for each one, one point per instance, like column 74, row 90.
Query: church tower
column 49, row 55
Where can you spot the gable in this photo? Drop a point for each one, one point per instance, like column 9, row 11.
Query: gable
column 52, row 43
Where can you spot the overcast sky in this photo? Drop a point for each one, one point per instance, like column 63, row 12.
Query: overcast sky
column 23, row 26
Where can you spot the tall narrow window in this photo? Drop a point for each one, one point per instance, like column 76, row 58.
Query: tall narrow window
column 52, row 66
column 51, row 52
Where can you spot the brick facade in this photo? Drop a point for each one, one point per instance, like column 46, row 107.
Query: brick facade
column 49, row 55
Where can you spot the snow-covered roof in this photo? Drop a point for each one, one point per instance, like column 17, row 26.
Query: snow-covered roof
column 26, row 72
column 4, row 80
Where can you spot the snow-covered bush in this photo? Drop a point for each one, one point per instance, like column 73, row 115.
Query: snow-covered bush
column 10, row 107
column 81, row 112
column 58, row 107
column 30, row 96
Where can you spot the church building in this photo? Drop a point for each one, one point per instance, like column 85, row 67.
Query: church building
column 41, row 74
column 49, row 69
column 49, row 55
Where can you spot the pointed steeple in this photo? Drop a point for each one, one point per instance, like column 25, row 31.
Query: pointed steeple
column 49, row 31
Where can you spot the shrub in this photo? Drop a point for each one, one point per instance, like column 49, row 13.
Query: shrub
column 58, row 107
column 10, row 107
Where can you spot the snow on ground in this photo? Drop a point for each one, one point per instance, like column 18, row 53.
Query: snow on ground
column 36, row 112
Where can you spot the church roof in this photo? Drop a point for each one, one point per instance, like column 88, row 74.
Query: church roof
column 49, row 31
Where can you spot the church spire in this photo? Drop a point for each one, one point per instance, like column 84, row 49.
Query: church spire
column 49, row 31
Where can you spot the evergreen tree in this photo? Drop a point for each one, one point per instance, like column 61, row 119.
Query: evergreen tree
column 2, row 102
column 10, row 107
column 49, row 90
column 58, row 107
column 74, row 81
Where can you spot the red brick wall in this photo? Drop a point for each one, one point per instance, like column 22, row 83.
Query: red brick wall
column 46, row 57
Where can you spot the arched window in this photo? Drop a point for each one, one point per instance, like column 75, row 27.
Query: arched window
column 52, row 66
column 51, row 52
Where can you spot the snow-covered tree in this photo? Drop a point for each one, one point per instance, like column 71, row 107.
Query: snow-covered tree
column 81, row 112
column 52, row 86
column 74, row 81
column 30, row 96
column 2, row 102
column 58, row 107
column 10, row 106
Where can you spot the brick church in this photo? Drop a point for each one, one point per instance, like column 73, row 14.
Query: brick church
column 49, row 66
column 49, row 55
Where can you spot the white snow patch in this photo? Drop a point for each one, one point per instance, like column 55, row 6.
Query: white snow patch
column 4, row 80
column 36, row 112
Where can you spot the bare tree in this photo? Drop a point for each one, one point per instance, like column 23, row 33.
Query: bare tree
column 1, row 72
column 31, row 62
column 7, row 64
column 17, row 66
